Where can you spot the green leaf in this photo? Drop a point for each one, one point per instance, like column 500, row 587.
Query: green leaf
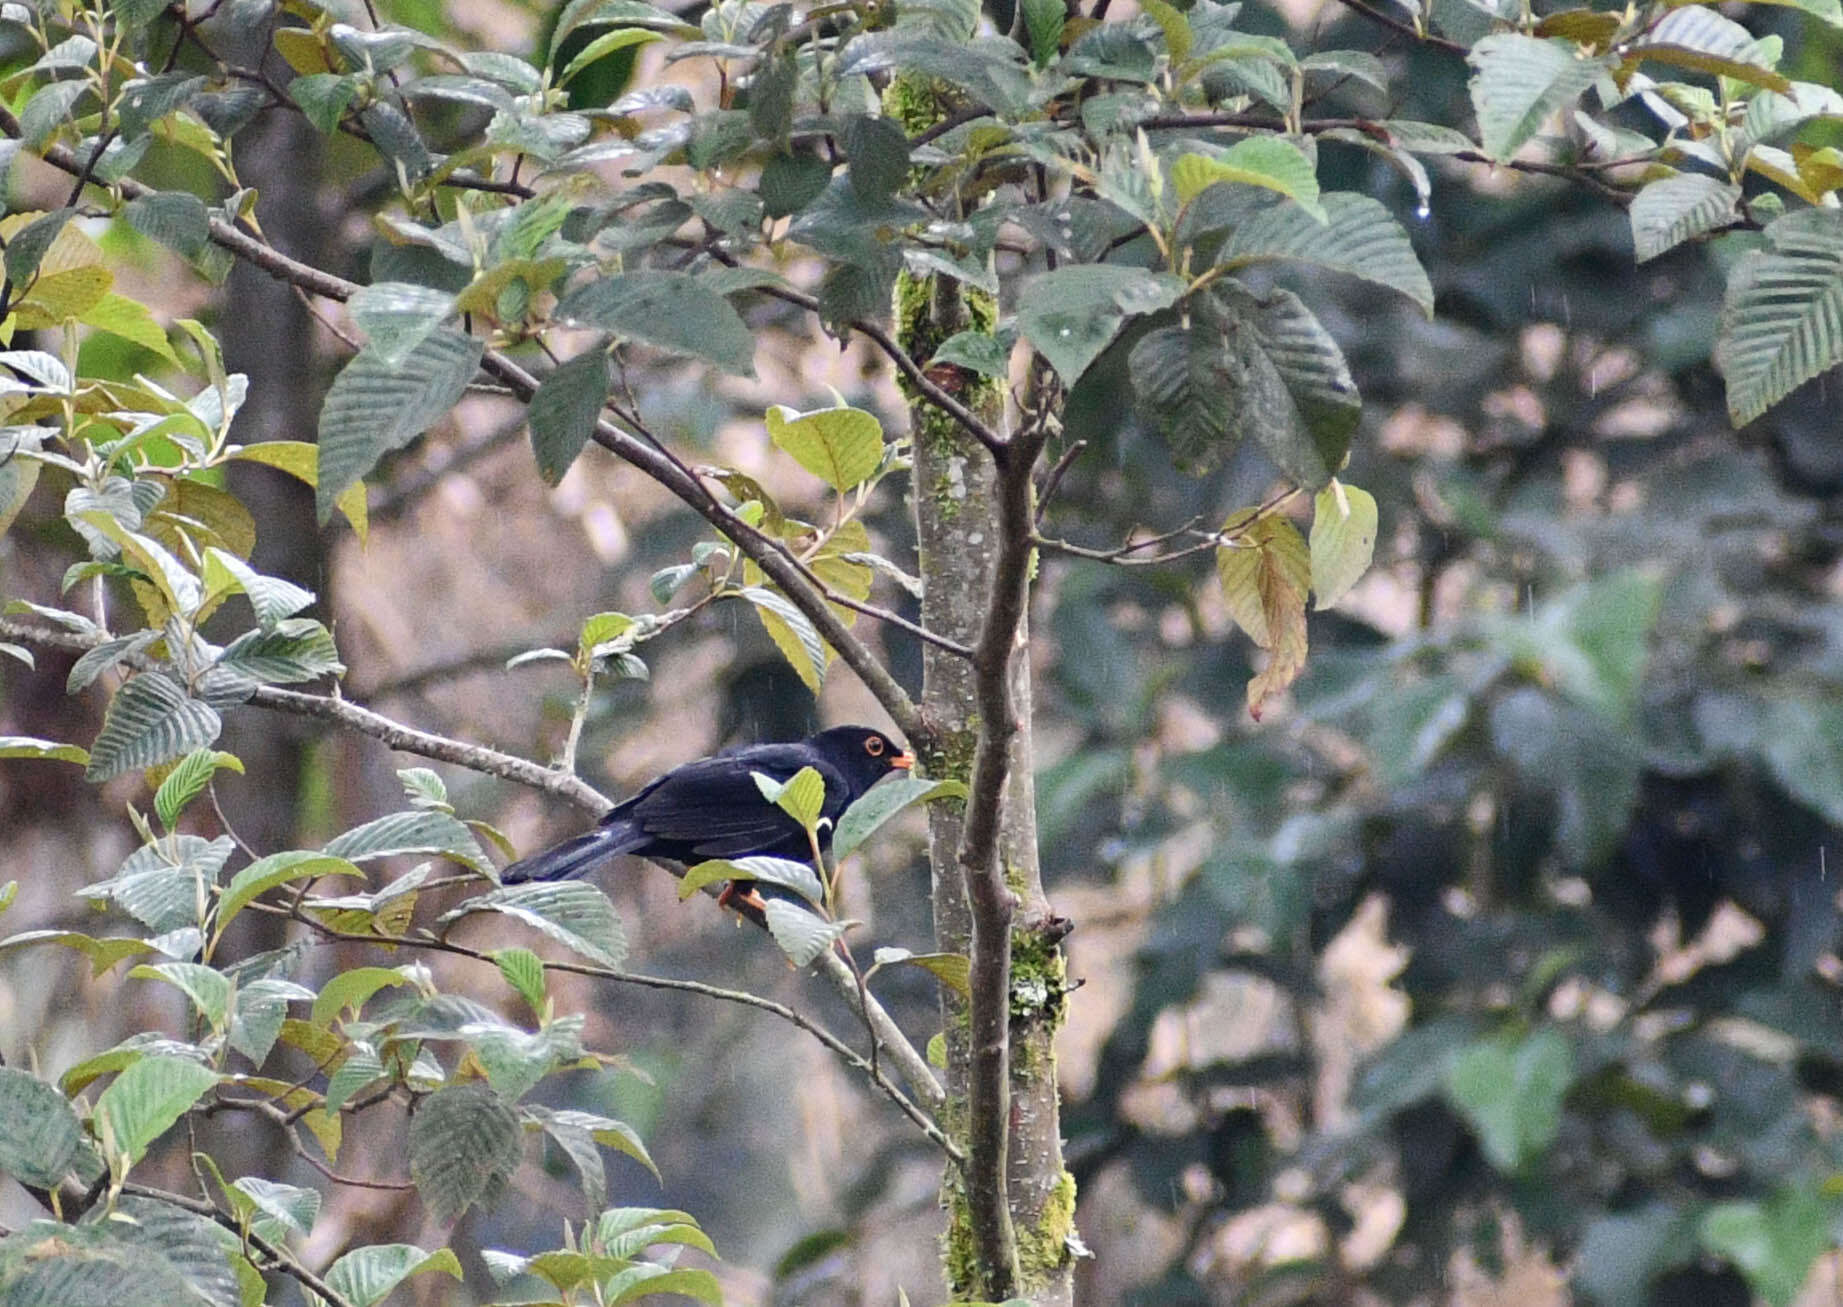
column 1698, row 38
column 1772, row 1243
column 103, row 953
column 673, row 311
column 802, row 935
column 1510, row 1092
column 367, row 1275
column 792, row 632
column 646, row 1279
column 1269, row 162
column 24, row 746
column 606, row 44
column 1671, row 210
column 1802, row 743
column 564, row 411
column 423, row 830
column 285, row 1209
column 1043, row 20
column 271, row 598
column 302, row 461
column 40, row 1136
column 843, row 447
column 801, row 796
column 276, row 870
column 151, row 719
column 574, row 913
column 1358, row 237
column 1071, row 315
column 877, row 156
column 188, row 780
column 1518, row 81
column 976, row 351
column 396, row 317
column 28, row 245
column 324, row 98
column 953, row 970
column 18, row 474
column 375, row 407
column 260, row 1011
column 1343, row 540
column 883, row 802
column 463, row 1146
column 295, row 649
column 352, row 990
column 524, row 971
column 1782, row 316
column 132, row 321
column 208, row 989
column 146, row 1099
column 796, row 876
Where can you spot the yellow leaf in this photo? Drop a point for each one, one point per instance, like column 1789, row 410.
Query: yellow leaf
column 1264, row 574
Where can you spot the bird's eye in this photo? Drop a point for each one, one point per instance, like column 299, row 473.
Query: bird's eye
column 874, row 746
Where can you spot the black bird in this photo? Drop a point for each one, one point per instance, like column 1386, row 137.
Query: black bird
column 712, row 808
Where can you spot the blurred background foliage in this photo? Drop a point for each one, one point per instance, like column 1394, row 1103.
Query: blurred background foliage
column 1499, row 965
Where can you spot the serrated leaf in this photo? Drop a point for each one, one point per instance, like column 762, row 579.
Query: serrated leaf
column 1671, row 210
column 208, row 989
column 104, row 953
column 302, row 461
column 882, row 802
column 188, row 780
column 674, row 311
column 1072, row 314
column 802, row 935
column 1044, row 20
column 368, row 1275
column 1343, row 541
column 1782, row 316
column 151, row 719
column 396, row 317
column 293, row 650
column 1266, row 161
column 792, row 632
column 285, row 1209
column 1700, row 39
column 40, row 1136
column 1518, row 81
column 574, row 913
column 422, row 830
column 271, row 598
column 785, row 872
column 841, row 446
column 524, row 971
column 375, row 407
column 463, row 1147
column 276, row 870
column 146, row 1100
column 1359, row 238
column 564, row 411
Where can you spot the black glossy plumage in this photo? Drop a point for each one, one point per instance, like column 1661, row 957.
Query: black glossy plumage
column 712, row 808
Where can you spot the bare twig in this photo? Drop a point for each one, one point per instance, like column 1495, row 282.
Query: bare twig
column 280, row 1257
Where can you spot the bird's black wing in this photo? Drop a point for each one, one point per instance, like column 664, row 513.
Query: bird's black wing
column 714, row 809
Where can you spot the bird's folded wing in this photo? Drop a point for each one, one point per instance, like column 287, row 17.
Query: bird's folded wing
column 713, row 803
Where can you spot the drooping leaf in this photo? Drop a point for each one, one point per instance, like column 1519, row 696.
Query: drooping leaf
column 673, row 311
column 1518, row 81
column 796, row 876
column 1343, row 540
column 1358, row 238
column 841, row 446
column 1072, row 314
column 463, row 1147
column 1782, row 316
column 564, row 411
column 368, row 1275
column 792, row 632
column 40, row 1136
column 145, row 1101
column 151, row 719
column 274, row 871
column 188, row 780
column 802, row 935
column 375, row 407
column 419, row 831
column 1671, row 210
column 24, row 746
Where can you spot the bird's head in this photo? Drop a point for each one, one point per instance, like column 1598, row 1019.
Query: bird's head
column 863, row 756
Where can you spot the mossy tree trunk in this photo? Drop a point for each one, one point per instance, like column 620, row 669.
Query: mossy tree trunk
column 1011, row 1209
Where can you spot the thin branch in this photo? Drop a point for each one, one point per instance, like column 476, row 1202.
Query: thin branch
column 1405, row 28
column 279, row 1256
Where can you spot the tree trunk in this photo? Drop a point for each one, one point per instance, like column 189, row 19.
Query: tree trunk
column 960, row 490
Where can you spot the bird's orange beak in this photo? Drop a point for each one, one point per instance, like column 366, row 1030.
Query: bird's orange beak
column 903, row 761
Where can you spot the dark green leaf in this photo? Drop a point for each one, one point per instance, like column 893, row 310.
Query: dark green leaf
column 674, row 311
column 151, row 719
column 564, row 411
column 40, row 1136
column 1518, row 81
column 1070, row 315
column 421, row 831
column 463, row 1147
column 177, row 219
column 877, row 154
column 574, row 913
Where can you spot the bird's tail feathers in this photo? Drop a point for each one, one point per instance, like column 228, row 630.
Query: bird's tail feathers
column 574, row 857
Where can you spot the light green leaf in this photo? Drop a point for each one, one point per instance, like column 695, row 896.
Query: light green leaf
column 367, row 1275
column 208, row 989
column 796, row 876
column 188, row 780
column 271, row 598
column 1343, row 541
column 352, row 990
column 1510, row 1092
column 1269, row 162
column 275, row 870
column 792, row 632
column 1772, row 1242
column 1671, row 210
column 24, row 746
column 841, row 446
column 953, row 970
column 802, row 935
column 524, row 971
column 146, row 1099
column 423, row 830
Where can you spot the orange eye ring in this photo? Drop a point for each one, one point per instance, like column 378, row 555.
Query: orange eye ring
column 874, row 746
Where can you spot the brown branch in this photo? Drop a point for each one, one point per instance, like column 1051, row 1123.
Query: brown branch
column 988, row 896
column 1405, row 28
column 279, row 1256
